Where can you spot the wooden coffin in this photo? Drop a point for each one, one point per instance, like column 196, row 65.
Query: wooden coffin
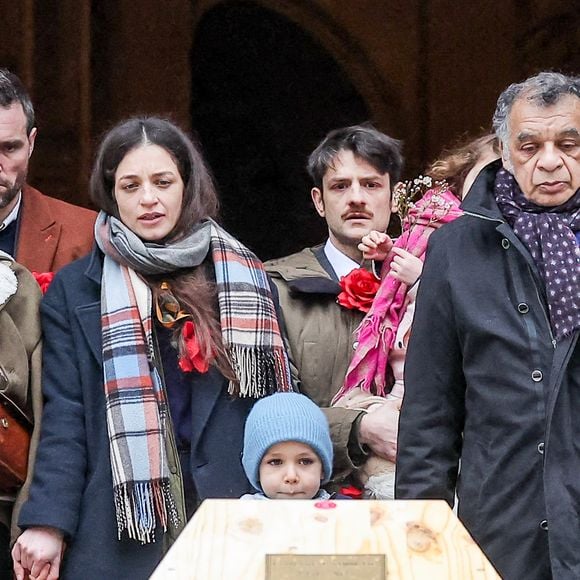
column 268, row 540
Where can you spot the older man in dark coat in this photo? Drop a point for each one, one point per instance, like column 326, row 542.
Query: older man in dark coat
column 493, row 367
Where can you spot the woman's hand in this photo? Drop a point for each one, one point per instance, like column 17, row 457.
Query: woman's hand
column 38, row 552
column 375, row 246
column 406, row 267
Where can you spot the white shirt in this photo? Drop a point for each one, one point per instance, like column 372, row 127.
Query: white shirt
column 13, row 215
column 341, row 263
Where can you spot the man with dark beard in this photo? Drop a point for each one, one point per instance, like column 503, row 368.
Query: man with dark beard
column 41, row 232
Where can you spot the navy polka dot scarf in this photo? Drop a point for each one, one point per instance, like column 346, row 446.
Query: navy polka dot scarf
column 550, row 234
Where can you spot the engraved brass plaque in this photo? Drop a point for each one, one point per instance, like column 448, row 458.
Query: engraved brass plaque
column 326, row 566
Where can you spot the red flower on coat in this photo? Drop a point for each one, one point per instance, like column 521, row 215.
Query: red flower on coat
column 44, row 279
column 351, row 491
column 359, row 289
column 192, row 359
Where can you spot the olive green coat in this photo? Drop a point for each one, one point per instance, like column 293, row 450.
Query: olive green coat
column 320, row 336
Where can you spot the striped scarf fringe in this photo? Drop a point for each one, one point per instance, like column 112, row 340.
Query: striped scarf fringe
column 258, row 371
column 143, row 506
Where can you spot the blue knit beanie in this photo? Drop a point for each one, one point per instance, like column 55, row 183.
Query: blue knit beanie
column 285, row 417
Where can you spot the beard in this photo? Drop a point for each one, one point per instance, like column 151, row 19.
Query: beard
column 11, row 189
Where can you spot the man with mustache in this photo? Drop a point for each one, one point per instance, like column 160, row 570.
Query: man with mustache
column 492, row 381
column 41, row 232
column 353, row 170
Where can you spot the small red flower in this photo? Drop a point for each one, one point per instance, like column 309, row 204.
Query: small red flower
column 351, row 491
column 44, row 279
column 358, row 290
column 192, row 359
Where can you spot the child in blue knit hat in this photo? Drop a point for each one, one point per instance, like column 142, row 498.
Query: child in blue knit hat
column 287, row 448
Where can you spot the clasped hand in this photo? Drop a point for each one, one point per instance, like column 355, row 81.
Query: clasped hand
column 38, row 553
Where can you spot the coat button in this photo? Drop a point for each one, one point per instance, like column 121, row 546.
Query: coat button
column 523, row 308
column 541, row 447
column 505, row 243
column 544, row 525
column 537, row 376
column 355, row 345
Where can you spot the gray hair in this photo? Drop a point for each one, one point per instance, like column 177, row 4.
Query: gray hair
column 544, row 89
column 12, row 91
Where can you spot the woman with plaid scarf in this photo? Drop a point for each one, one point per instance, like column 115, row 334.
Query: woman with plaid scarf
column 156, row 346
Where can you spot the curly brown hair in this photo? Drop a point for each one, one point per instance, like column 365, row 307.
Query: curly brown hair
column 454, row 164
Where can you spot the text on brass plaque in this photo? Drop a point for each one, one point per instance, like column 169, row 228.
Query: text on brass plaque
column 326, row 566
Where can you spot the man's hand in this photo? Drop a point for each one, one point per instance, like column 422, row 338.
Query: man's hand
column 406, row 267
column 38, row 552
column 375, row 246
column 379, row 429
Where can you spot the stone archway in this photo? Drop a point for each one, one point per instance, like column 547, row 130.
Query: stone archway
column 264, row 92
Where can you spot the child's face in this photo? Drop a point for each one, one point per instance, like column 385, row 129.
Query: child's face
column 290, row 470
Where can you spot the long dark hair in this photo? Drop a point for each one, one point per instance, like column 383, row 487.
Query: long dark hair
column 200, row 198
column 194, row 289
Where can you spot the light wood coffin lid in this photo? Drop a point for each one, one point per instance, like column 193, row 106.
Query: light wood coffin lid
column 228, row 539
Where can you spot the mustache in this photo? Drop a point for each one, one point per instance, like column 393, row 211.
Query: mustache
column 357, row 213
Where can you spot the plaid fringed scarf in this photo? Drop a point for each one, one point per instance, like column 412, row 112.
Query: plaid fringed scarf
column 136, row 406
column 250, row 328
column 135, row 397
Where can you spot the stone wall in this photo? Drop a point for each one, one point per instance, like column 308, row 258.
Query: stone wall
column 428, row 71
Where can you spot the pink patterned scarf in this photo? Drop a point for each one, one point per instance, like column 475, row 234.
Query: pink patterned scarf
column 376, row 333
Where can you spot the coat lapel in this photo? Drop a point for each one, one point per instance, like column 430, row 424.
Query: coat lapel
column 89, row 317
column 38, row 232
column 324, row 262
column 89, row 314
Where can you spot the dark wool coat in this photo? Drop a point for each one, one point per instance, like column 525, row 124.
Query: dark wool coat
column 486, row 383
column 72, row 489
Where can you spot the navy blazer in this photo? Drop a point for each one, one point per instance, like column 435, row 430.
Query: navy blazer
column 72, row 489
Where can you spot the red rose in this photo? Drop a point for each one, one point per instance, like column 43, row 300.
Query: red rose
column 192, row 359
column 44, row 279
column 358, row 290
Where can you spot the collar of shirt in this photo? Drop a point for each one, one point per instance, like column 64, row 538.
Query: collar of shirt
column 13, row 215
column 341, row 263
